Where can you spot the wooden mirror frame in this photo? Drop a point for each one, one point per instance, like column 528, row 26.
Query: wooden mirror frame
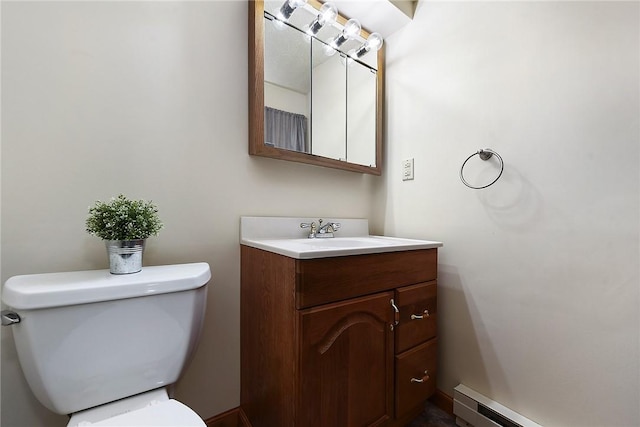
column 257, row 147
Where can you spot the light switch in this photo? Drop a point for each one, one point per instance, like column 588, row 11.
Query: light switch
column 407, row 169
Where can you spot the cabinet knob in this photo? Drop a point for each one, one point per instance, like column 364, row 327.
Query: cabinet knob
column 423, row 379
column 420, row 316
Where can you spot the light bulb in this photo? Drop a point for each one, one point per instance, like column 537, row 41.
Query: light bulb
column 374, row 41
column 288, row 7
column 328, row 13
column 352, row 28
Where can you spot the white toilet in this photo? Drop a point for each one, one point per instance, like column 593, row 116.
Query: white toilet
column 103, row 347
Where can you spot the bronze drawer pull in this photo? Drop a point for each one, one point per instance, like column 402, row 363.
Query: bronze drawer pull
column 421, row 380
column 420, row 316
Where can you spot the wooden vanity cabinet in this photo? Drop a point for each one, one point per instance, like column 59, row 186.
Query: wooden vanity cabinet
column 319, row 342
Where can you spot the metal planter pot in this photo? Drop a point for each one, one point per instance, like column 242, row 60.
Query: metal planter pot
column 125, row 256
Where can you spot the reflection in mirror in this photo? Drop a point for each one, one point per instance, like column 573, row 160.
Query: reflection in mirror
column 287, row 86
column 329, row 103
column 361, row 114
column 308, row 106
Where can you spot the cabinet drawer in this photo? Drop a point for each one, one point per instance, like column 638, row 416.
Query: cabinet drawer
column 415, row 376
column 418, row 315
column 324, row 280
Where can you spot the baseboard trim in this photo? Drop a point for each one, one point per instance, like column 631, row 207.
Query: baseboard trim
column 243, row 421
column 232, row 418
column 443, row 401
column 226, row 419
column 237, row 418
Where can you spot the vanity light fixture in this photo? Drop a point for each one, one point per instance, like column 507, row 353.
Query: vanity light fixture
column 327, row 15
column 373, row 43
column 288, row 7
column 351, row 30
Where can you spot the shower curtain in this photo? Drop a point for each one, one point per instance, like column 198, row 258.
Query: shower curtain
column 286, row 130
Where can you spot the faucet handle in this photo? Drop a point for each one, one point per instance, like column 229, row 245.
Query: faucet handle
column 332, row 226
column 312, row 226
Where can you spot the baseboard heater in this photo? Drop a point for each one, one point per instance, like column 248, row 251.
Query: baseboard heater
column 475, row 410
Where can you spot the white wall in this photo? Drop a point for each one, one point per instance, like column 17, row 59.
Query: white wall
column 148, row 99
column 538, row 298
column 286, row 99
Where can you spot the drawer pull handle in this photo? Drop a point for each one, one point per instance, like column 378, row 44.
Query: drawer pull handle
column 396, row 314
column 421, row 380
column 420, row 316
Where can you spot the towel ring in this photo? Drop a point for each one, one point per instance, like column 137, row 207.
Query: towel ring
column 485, row 154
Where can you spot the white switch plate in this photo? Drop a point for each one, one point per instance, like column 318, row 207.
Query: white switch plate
column 407, row 169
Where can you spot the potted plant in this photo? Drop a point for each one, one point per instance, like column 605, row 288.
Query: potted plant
column 124, row 225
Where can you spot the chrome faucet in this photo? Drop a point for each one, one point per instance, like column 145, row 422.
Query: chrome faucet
column 321, row 231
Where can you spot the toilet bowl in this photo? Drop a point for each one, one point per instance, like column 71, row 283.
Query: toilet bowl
column 152, row 409
column 102, row 347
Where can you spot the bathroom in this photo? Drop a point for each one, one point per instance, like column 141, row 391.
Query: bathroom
column 539, row 304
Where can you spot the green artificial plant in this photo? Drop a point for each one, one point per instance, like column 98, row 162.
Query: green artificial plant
column 123, row 219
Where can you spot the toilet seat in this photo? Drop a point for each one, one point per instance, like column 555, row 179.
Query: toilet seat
column 170, row 413
column 150, row 409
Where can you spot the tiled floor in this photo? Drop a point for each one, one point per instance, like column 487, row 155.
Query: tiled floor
column 433, row 417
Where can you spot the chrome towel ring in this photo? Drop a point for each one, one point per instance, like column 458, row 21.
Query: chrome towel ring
column 485, row 154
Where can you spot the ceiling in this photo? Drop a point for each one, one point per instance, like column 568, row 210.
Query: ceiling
column 383, row 16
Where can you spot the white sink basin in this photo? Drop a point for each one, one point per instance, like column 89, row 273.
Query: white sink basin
column 338, row 246
column 348, row 242
column 283, row 235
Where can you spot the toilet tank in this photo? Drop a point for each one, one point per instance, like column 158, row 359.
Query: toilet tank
column 90, row 337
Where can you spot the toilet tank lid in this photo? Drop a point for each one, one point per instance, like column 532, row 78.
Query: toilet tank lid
column 34, row 291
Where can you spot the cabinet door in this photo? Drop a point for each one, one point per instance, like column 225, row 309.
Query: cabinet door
column 346, row 363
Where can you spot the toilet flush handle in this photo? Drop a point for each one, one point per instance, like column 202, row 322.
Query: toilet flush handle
column 9, row 317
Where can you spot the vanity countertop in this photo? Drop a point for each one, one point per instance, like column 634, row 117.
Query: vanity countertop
column 285, row 237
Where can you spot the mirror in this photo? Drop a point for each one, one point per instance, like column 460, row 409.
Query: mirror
column 287, row 87
column 305, row 105
column 329, row 103
column 361, row 115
